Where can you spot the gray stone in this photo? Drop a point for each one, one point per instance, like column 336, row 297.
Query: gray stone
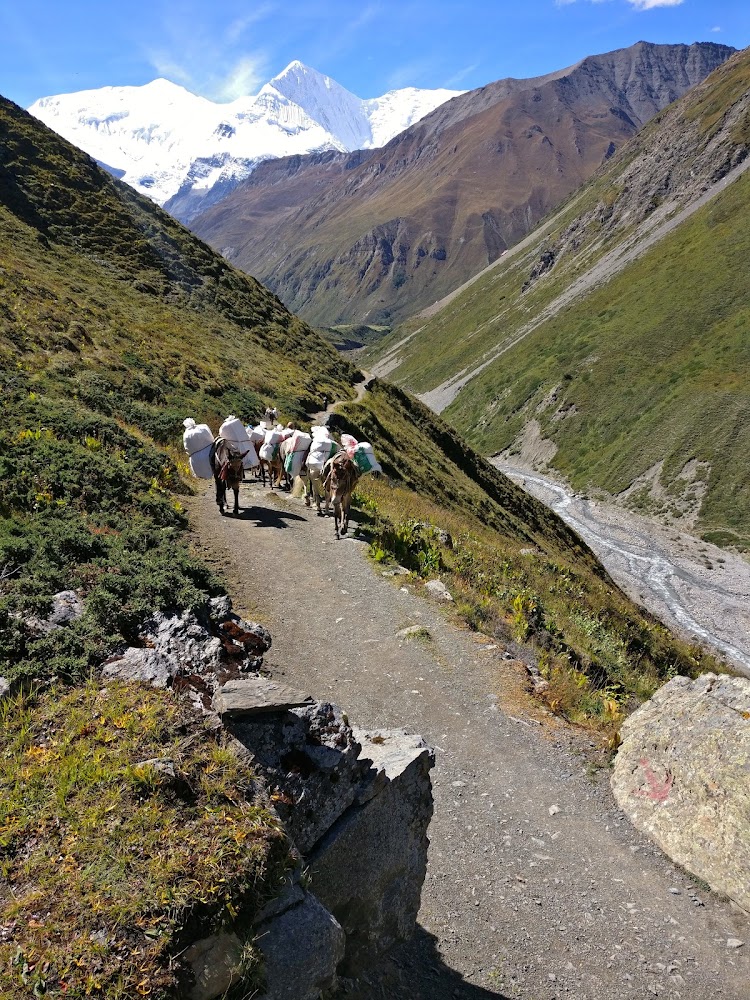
column 413, row 632
column 220, row 608
column 4, row 687
column 301, row 950
column 163, row 765
column 137, row 664
column 396, row 571
column 253, row 695
column 216, row 963
column 682, row 775
column 67, row 607
column 369, row 869
column 209, row 645
column 438, row 589
column 292, row 895
column 311, row 762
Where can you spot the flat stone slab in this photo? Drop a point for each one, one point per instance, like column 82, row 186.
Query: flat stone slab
column 256, row 695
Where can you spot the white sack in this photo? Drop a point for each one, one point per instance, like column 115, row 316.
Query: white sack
column 364, row 458
column 256, row 434
column 321, row 450
column 300, row 441
column 200, row 463
column 196, row 436
column 233, row 430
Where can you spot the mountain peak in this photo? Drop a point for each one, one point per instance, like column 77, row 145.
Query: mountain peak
column 164, row 140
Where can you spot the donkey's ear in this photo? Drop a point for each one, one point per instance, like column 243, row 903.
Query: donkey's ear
column 244, row 453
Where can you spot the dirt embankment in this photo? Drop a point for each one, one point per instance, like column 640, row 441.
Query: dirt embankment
column 537, row 885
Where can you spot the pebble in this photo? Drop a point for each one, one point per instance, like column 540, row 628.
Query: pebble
column 675, row 892
column 553, row 810
column 734, row 943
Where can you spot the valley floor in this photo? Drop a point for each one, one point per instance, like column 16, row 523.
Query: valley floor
column 694, row 587
column 537, row 886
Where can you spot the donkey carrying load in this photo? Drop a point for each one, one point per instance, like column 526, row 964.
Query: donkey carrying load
column 227, row 466
column 340, row 477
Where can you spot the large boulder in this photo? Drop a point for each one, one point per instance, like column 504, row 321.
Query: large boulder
column 369, row 868
column 682, row 775
column 300, row 942
column 302, row 947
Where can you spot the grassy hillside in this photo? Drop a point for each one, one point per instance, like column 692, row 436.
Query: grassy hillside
column 115, row 323
column 653, row 368
column 637, row 379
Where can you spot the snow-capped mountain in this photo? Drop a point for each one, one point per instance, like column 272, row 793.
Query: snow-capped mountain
column 165, row 141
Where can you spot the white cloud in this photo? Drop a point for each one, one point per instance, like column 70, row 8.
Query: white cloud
column 716, row 29
column 238, row 27
column 650, row 4
column 245, row 77
column 453, row 81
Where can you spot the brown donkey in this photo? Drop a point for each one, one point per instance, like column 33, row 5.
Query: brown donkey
column 226, row 465
column 340, row 477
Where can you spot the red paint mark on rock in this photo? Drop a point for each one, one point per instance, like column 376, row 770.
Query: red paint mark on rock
column 658, row 789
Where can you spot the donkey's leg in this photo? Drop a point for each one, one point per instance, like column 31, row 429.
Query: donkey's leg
column 221, row 490
column 345, row 501
column 316, row 484
column 236, row 491
column 336, row 514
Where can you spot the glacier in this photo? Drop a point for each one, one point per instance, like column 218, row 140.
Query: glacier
column 165, row 141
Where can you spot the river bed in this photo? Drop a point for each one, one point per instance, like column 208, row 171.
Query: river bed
column 701, row 591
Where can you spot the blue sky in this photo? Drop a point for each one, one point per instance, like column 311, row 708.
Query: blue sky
column 223, row 49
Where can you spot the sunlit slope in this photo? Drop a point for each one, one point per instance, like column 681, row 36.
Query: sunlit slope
column 97, row 277
column 631, row 364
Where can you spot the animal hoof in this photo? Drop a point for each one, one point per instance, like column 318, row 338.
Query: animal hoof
column 321, row 514
column 344, row 531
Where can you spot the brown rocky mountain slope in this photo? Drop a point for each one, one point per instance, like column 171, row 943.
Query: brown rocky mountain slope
column 375, row 237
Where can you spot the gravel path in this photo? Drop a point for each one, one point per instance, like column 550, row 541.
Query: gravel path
column 537, row 885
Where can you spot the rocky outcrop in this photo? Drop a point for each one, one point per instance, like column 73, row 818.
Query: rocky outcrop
column 369, row 868
column 194, row 650
column 682, row 775
column 357, row 805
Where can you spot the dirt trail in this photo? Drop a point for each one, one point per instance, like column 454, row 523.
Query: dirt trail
column 537, row 885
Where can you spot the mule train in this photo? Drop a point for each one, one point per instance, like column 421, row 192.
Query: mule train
column 328, row 470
